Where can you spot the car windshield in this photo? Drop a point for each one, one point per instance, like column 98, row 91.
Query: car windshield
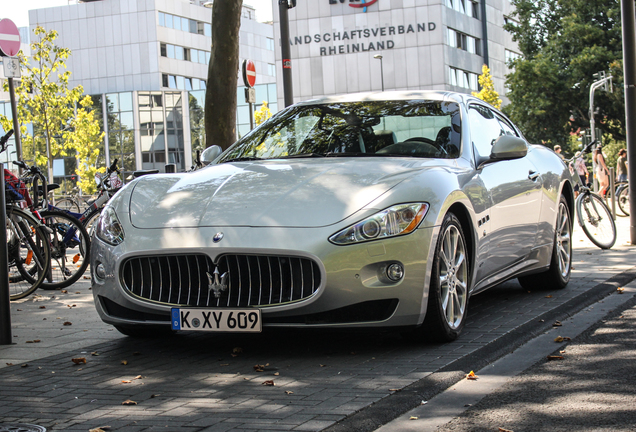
column 413, row 128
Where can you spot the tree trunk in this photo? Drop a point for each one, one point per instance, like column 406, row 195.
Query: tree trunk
column 220, row 97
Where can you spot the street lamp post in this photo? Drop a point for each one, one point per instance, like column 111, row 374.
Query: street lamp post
column 379, row 57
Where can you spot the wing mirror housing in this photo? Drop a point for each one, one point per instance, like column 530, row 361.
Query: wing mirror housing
column 506, row 147
column 210, row 154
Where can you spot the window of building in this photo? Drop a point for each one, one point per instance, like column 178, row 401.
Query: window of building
column 186, row 54
column 467, row 7
column 464, row 79
column 168, row 20
column 207, row 29
column 162, row 19
column 270, row 44
column 271, row 69
column 164, row 52
column 511, row 56
column 121, row 139
column 464, row 42
column 170, row 51
column 508, row 20
column 178, row 53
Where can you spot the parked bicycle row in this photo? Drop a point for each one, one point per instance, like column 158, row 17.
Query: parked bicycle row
column 48, row 247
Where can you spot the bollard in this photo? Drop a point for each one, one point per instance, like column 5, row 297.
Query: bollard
column 5, row 298
column 171, row 168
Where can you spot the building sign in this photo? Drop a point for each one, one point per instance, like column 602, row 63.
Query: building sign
column 356, row 3
column 363, row 40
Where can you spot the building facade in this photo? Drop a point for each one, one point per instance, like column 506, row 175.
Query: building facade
column 145, row 64
column 348, row 46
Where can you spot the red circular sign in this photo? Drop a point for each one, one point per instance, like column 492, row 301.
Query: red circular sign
column 9, row 38
column 249, row 73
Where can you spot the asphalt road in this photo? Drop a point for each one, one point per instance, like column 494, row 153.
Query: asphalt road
column 334, row 381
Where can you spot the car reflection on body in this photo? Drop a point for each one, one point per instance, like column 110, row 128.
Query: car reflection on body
column 380, row 210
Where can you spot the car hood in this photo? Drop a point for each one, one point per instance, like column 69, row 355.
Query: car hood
column 276, row 193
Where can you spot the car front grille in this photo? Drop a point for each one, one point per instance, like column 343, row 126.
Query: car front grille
column 250, row 280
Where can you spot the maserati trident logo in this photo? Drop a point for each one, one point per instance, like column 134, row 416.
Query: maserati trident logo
column 217, row 282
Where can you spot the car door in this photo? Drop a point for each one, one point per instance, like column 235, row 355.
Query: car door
column 514, row 187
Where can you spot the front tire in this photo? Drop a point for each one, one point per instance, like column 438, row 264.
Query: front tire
column 558, row 274
column 448, row 288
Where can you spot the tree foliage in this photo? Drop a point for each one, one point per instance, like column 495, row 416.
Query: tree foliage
column 220, row 96
column 51, row 123
column 262, row 114
column 564, row 43
column 487, row 92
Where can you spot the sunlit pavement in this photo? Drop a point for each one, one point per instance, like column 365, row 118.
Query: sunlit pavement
column 208, row 383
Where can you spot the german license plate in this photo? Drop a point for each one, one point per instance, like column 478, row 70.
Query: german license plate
column 217, row 320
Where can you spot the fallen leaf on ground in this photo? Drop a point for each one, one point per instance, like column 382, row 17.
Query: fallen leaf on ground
column 9, row 364
column 504, row 430
column 67, row 323
column 100, row 429
column 63, row 291
column 25, row 365
column 555, row 357
column 394, row 390
column 236, row 351
column 129, row 402
column 42, row 307
column 126, row 381
column 548, row 296
column 413, row 418
column 620, row 290
column 557, row 324
column 259, row 368
column 19, row 310
column 471, row 376
column 138, row 377
column 268, row 383
column 94, row 353
column 79, row 360
column 276, row 373
column 562, row 338
column 289, row 392
column 124, row 362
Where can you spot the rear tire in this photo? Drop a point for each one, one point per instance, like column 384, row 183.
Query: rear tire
column 558, row 275
column 622, row 199
column 448, row 288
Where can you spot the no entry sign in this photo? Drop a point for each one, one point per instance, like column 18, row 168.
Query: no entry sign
column 9, row 38
column 249, row 73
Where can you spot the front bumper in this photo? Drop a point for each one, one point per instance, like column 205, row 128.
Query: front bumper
column 353, row 291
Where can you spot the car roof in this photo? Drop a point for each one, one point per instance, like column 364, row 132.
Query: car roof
column 392, row 95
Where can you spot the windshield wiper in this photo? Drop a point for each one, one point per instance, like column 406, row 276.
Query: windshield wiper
column 243, row 159
column 303, row 155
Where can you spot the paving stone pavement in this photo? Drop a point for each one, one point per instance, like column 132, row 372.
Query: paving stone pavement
column 202, row 382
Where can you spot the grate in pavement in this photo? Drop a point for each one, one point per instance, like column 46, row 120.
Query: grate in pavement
column 20, row 427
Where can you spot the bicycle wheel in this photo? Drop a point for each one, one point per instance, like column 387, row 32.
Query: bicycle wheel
column 596, row 220
column 622, row 199
column 70, row 247
column 68, row 204
column 29, row 252
column 89, row 222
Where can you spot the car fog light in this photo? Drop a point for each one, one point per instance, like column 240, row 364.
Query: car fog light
column 100, row 271
column 395, row 272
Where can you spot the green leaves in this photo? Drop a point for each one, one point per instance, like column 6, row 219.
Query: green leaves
column 50, row 127
column 564, row 42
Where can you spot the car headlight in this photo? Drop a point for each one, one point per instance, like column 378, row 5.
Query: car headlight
column 395, row 221
column 109, row 228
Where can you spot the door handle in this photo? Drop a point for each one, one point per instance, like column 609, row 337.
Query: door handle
column 533, row 175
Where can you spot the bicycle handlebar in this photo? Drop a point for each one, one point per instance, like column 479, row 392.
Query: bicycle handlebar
column 4, row 139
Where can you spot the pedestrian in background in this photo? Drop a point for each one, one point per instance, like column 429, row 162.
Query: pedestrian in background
column 602, row 173
column 557, row 150
column 621, row 165
column 581, row 169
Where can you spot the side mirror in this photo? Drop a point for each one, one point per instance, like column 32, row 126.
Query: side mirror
column 508, row 147
column 210, row 154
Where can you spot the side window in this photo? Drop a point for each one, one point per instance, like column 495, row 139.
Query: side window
column 484, row 129
column 505, row 126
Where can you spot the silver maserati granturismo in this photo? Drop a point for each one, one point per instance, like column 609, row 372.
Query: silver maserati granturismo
column 376, row 210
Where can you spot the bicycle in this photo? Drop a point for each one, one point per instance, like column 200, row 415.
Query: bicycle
column 73, row 202
column 68, row 238
column 594, row 217
column 28, row 249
